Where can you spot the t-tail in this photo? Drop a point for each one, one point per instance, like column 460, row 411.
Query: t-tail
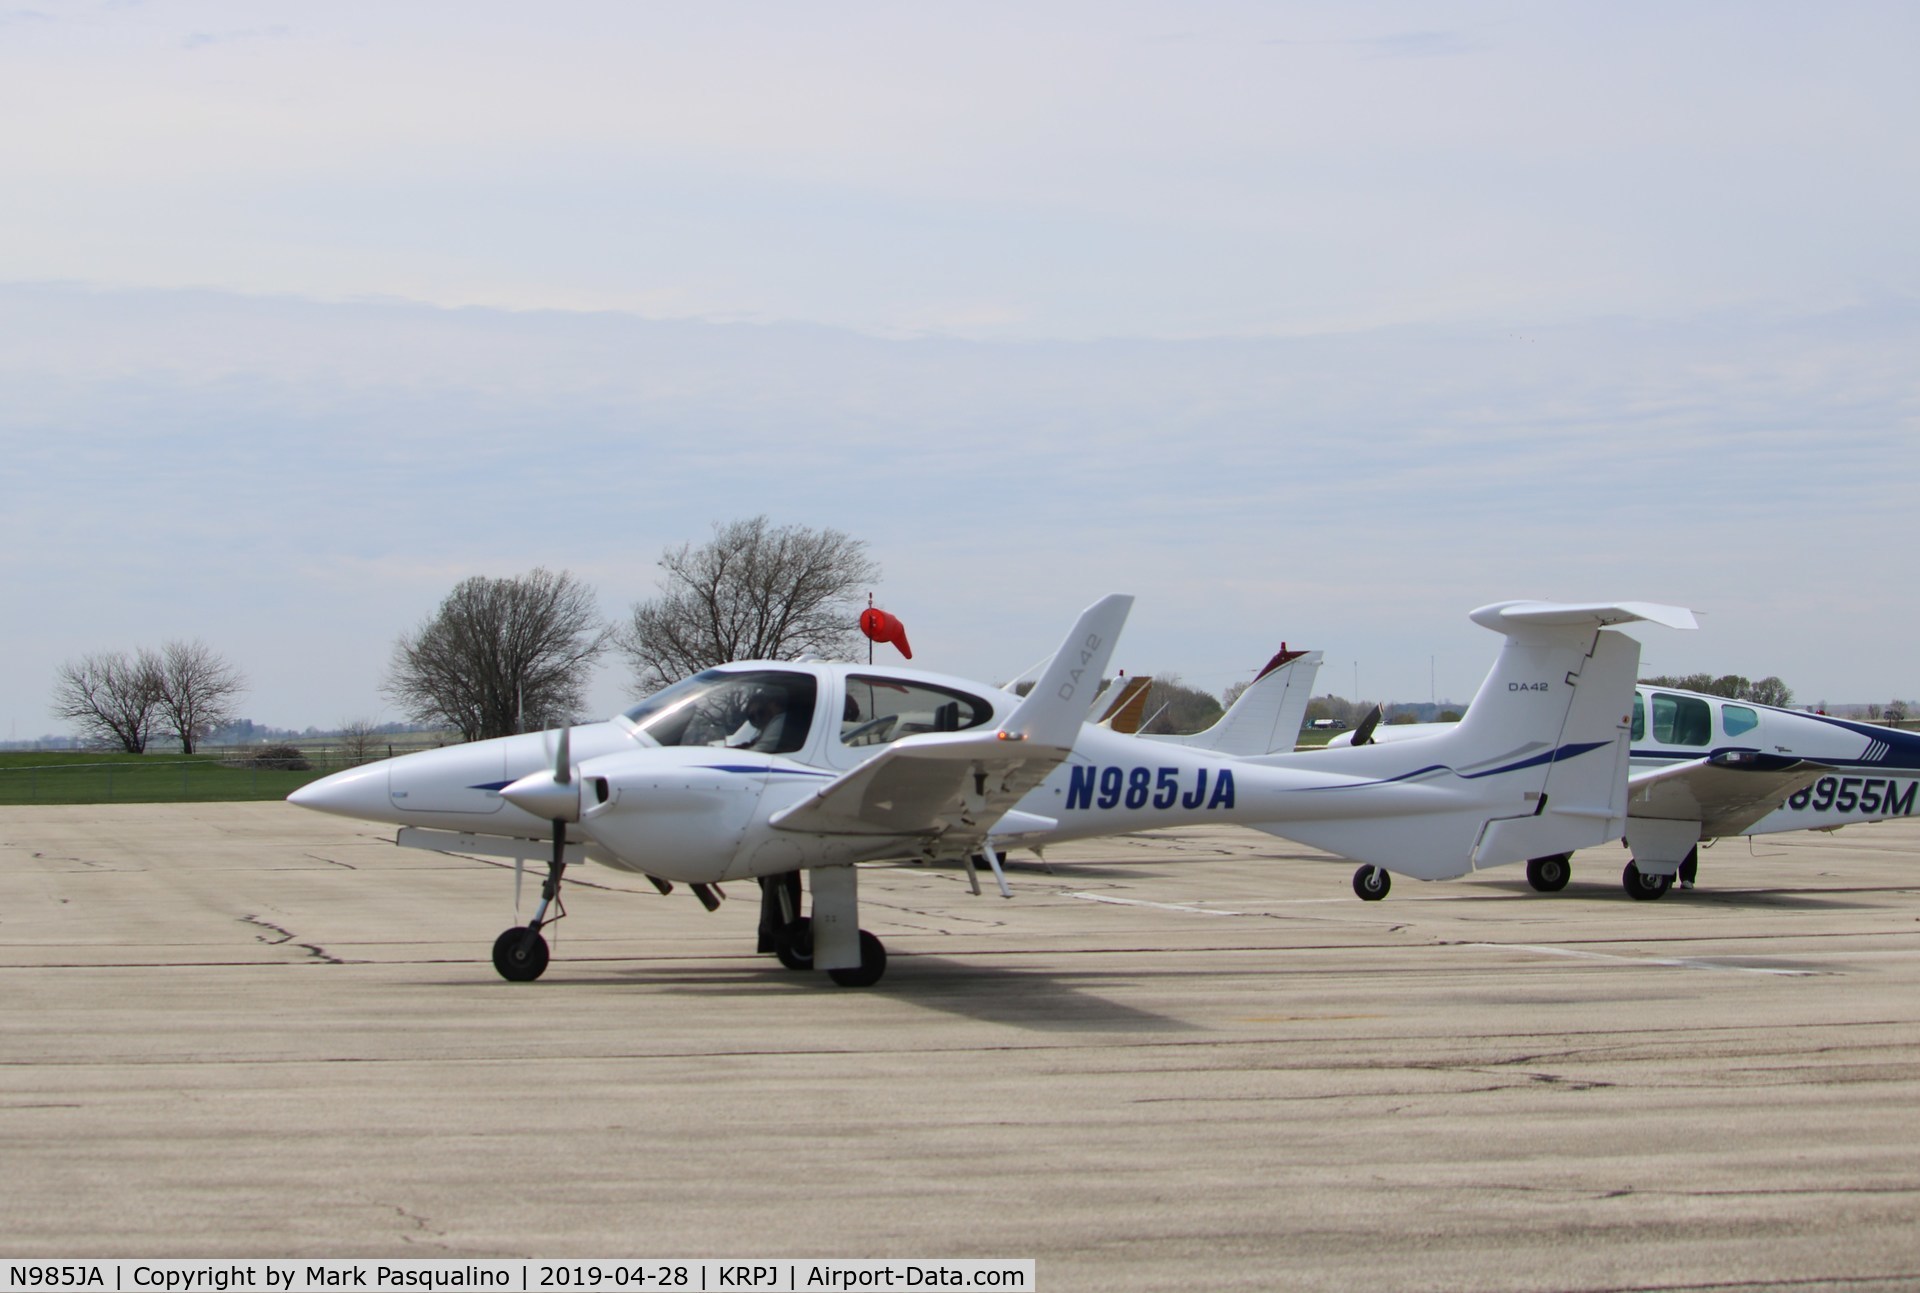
column 1538, row 766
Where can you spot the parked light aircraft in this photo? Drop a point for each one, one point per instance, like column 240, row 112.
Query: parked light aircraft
column 761, row 770
column 1266, row 717
column 1706, row 768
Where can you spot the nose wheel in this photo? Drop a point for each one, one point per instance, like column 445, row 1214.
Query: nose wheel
column 520, row 954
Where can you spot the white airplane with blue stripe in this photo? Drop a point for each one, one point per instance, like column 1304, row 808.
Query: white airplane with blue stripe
column 1706, row 768
column 766, row 770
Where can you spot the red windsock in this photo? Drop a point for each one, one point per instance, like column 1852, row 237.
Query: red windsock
column 882, row 627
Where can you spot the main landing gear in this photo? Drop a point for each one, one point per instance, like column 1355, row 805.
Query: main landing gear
column 790, row 936
column 1647, row 888
column 1372, row 883
column 1551, row 873
column 1643, row 887
column 794, row 946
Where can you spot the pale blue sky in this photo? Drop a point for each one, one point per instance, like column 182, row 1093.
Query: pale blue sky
column 1316, row 322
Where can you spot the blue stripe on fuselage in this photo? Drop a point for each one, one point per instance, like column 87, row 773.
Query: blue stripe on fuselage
column 1558, row 754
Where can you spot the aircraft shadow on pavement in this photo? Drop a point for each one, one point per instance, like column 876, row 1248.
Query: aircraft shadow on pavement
column 1036, row 999
column 1756, row 899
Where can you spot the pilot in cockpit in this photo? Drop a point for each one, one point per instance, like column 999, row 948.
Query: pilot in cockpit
column 766, row 721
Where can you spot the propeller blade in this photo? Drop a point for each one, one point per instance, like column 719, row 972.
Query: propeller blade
column 519, row 877
column 563, row 762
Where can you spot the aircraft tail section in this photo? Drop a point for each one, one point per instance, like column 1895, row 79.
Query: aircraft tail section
column 1266, row 717
column 1537, row 766
column 1054, row 710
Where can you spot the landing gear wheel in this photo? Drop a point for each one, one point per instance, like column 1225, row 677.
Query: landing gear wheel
column 520, row 955
column 873, row 964
column 793, row 944
column 1642, row 886
column 1551, row 873
column 1372, row 883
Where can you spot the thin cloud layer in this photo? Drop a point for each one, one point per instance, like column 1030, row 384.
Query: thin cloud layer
column 304, row 481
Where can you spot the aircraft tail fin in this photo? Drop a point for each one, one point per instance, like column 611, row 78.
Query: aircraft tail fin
column 1052, row 713
column 1266, row 717
column 1541, row 754
column 1119, row 707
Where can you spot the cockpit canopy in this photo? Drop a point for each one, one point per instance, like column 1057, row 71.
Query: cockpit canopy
column 765, row 710
column 772, row 711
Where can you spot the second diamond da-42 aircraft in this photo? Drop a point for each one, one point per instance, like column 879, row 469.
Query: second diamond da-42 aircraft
column 763, row 770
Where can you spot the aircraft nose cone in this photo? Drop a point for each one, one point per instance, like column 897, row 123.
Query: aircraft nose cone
column 357, row 792
column 545, row 796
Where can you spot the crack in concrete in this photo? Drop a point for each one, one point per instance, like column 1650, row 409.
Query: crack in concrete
column 286, row 936
column 421, row 1226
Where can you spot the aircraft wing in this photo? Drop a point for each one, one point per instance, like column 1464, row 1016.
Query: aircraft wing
column 1725, row 792
column 955, row 786
column 947, row 784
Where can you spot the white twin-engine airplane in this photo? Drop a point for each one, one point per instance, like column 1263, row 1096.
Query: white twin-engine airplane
column 1705, row 768
column 763, row 770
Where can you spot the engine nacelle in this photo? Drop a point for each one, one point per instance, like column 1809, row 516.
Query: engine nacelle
column 677, row 818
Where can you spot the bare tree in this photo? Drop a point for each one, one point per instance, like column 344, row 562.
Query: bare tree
column 198, row 691
column 113, row 696
column 1175, row 707
column 359, row 740
column 499, row 653
column 756, row 591
column 1768, row 691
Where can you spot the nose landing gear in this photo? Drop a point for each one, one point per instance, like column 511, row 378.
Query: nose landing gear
column 521, row 953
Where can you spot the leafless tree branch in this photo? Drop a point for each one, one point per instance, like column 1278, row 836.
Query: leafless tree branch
column 499, row 652
column 754, row 592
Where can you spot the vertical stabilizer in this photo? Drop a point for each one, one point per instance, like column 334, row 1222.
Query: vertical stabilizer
column 1537, row 766
column 1267, row 716
column 1054, row 710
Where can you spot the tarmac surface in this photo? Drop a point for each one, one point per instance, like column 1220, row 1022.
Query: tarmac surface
column 1189, row 1059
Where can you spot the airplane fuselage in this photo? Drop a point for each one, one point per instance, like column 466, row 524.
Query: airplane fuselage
column 1876, row 770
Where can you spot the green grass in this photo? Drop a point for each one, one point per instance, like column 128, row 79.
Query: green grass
column 97, row 777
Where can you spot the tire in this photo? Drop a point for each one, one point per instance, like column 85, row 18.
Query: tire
column 873, row 964
column 520, row 954
column 1551, row 873
column 1643, row 887
column 1372, row 883
column 793, row 944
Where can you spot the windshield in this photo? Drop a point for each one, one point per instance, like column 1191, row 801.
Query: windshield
column 762, row 709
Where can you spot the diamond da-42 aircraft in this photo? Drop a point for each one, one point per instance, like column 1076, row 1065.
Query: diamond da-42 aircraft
column 763, row 770
column 1706, row 768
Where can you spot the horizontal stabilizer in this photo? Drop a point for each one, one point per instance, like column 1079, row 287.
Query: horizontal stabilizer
column 1516, row 617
